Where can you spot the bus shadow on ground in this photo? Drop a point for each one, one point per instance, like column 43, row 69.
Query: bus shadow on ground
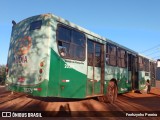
column 56, row 99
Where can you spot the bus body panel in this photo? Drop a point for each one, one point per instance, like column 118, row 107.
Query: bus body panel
column 143, row 77
column 65, row 80
column 28, row 50
column 121, row 75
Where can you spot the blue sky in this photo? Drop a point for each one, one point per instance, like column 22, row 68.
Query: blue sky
column 132, row 23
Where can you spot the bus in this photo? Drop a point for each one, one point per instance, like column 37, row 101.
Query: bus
column 52, row 57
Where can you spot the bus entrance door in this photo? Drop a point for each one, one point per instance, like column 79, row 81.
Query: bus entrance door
column 133, row 71
column 95, row 73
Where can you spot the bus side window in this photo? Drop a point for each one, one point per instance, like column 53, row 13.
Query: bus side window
column 121, row 60
column 64, row 38
column 111, row 56
column 72, row 42
column 78, row 45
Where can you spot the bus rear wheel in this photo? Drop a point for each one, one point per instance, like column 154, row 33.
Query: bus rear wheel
column 112, row 91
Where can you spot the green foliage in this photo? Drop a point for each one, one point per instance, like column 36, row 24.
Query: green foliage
column 2, row 74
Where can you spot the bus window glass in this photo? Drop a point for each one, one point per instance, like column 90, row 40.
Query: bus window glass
column 73, row 51
column 36, row 25
column 80, row 52
column 97, row 55
column 107, row 55
column 129, row 62
column 146, row 65
column 64, row 34
column 121, row 58
column 111, row 56
column 78, row 38
column 90, row 53
column 78, row 43
column 72, row 42
column 140, row 63
column 136, row 63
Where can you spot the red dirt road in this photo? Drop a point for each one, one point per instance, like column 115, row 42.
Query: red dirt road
column 129, row 104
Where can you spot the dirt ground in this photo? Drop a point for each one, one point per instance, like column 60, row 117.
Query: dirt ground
column 126, row 107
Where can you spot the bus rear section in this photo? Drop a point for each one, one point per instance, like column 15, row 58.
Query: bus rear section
column 28, row 56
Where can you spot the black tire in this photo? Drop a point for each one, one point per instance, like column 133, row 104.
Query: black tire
column 112, row 91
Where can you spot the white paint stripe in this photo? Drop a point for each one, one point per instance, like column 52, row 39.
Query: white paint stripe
column 67, row 80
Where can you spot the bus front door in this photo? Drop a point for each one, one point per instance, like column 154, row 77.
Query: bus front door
column 95, row 73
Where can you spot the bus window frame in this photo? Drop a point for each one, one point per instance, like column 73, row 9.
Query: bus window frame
column 107, row 54
column 119, row 49
column 94, row 57
column 140, row 63
column 146, row 64
column 71, row 43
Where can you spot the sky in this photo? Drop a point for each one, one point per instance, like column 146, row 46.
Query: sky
column 131, row 23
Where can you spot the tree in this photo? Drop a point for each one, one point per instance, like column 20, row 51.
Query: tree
column 2, row 74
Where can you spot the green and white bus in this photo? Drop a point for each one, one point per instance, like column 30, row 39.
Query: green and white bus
column 52, row 57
